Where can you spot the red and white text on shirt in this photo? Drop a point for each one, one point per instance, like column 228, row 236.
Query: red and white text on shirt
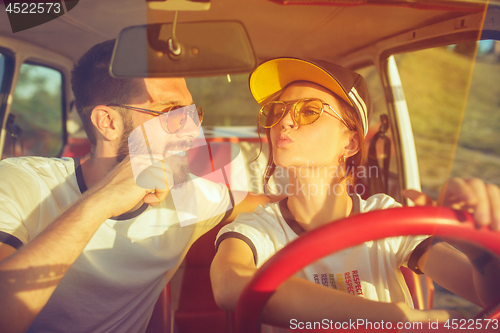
column 357, row 283
column 348, row 282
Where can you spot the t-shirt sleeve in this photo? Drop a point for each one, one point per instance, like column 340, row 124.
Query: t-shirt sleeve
column 216, row 201
column 256, row 232
column 405, row 246
column 201, row 202
column 19, row 203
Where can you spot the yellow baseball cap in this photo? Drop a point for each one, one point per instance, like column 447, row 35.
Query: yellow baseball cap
column 273, row 75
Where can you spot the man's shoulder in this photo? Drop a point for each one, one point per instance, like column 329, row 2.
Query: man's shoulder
column 36, row 163
column 33, row 191
column 28, row 171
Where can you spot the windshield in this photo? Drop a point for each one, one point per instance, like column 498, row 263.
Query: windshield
column 453, row 98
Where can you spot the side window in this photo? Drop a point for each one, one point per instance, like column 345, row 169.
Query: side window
column 478, row 151
column 453, row 101
column 35, row 123
column 379, row 143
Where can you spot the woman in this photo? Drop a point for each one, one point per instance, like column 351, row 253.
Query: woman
column 316, row 119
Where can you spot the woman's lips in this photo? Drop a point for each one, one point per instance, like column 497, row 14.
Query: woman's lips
column 283, row 141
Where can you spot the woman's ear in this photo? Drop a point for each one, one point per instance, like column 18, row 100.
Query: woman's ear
column 107, row 122
column 353, row 145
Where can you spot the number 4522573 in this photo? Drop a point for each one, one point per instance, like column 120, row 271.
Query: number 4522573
column 33, row 8
column 471, row 324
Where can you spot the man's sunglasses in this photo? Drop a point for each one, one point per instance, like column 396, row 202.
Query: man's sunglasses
column 304, row 112
column 175, row 117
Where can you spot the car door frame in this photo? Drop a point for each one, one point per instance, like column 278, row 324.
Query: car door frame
column 19, row 52
column 460, row 29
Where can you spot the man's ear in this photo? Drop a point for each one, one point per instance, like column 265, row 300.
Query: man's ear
column 107, row 122
column 353, row 145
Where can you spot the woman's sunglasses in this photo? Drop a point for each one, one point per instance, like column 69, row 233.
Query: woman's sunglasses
column 175, row 117
column 304, row 112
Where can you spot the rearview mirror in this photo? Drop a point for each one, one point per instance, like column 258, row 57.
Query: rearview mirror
column 197, row 49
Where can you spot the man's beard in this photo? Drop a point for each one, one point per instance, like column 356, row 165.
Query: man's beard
column 123, row 148
column 180, row 173
column 180, row 168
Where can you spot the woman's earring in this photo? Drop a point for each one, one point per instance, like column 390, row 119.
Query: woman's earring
column 342, row 159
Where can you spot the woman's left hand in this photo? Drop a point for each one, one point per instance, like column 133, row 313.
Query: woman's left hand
column 480, row 199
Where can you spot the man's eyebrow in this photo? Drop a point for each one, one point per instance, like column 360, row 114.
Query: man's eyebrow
column 167, row 103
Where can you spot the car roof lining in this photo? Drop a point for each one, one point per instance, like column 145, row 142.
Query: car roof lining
column 335, row 31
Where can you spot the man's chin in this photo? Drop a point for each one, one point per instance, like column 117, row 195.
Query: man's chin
column 178, row 186
column 181, row 173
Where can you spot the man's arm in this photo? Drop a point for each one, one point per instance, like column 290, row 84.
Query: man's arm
column 248, row 205
column 233, row 267
column 29, row 276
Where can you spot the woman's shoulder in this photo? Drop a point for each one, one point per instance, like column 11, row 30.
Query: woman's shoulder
column 267, row 212
column 377, row 201
column 261, row 226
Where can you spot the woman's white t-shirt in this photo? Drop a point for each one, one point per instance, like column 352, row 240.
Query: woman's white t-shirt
column 370, row 270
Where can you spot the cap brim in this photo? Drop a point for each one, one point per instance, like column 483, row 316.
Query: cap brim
column 273, row 75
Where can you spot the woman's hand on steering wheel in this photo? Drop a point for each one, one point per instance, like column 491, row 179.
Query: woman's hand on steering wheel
column 480, row 199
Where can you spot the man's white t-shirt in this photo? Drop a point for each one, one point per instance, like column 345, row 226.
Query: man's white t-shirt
column 369, row 270
column 114, row 283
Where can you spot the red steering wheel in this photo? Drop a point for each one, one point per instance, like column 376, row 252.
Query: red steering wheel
column 437, row 221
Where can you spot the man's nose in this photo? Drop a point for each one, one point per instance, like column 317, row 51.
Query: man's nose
column 191, row 129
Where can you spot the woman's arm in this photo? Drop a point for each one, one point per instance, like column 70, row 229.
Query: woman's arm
column 472, row 274
column 233, row 267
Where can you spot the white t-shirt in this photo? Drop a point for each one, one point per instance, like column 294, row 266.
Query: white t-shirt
column 369, row 270
column 114, row 283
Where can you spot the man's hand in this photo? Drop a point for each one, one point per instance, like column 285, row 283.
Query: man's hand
column 122, row 191
column 480, row 199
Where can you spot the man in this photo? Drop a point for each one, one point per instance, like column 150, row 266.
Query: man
column 82, row 246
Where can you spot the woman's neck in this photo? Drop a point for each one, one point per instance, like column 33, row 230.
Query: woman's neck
column 316, row 200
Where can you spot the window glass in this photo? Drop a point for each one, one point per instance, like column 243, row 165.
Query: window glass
column 35, row 122
column 226, row 101
column 453, row 99
column 478, row 149
column 379, row 108
column 231, row 115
